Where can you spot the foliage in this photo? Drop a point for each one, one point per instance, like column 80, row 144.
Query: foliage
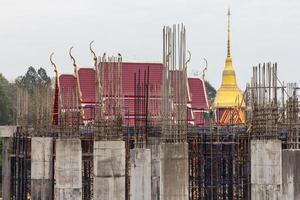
column 37, row 83
column 33, row 78
column 211, row 91
column 7, row 92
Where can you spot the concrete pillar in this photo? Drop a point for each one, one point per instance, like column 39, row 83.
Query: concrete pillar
column 6, row 133
column 290, row 174
column 266, row 170
column 68, row 170
column 6, row 178
column 140, row 174
column 154, row 146
column 174, row 171
column 109, row 170
column 41, row 168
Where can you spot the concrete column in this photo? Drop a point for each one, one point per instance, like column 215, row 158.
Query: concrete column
column 174, row 171
column 290, row 174
column 6, row 178
column 41, row 168
column 154, row 146
column 140, row 174
column 68, row 169
column 266, row 170
column 109, row 170
column 6, row 133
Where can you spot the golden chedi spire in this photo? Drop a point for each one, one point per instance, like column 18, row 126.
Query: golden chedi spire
column 228, row 95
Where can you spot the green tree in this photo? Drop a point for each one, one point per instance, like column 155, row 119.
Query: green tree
column 6, row 103
column 211, row 91
column 37, row 83
column 7, row 111
column 33, row 78
column 43, row 78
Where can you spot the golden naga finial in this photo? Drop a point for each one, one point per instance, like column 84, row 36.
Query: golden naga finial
column 228, row 33
column 189, row 59
column 53, row 64
column 77, row 79
column 93, row 53
column 205, row 68
column 73, row 60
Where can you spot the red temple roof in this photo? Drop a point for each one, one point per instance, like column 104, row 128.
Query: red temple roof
column 196, row 95
column 155, row 77
column 67, row 84
column 87, row 81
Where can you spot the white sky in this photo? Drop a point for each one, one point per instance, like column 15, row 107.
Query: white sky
column 262, row 30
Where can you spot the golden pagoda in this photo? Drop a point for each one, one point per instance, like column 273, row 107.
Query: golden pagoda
column 229, row 95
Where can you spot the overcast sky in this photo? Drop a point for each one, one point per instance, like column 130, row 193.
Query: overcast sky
column 262, row 30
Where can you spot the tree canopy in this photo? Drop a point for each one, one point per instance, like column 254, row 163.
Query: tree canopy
column 33, row 78
column 210, row 90
column 7, row 92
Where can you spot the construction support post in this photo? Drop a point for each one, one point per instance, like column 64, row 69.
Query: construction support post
column 41, row 168
column 154, row 146
column 266, row 169
column 174, row 171
column 109, row 170
column 6, row 133
column 140, row 174
column 290, row 174
column 68, row 169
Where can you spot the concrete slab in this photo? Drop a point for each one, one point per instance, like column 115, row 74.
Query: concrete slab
column 7, row 131
column 68, row 169
column 174, row 171
column 266, row 170
column 290, row 174
column 140, row 174
column 109, row 170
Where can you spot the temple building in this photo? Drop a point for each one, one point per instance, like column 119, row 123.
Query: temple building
column 85, row 77
column 229, row 102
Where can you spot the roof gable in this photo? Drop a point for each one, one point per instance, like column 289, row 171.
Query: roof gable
column 198, row 93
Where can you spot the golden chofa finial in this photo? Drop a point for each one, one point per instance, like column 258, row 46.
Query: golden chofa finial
column 228, row 33
column 188, row 60
column 53, row 64
column 73, row 60
column 93, row 53
column 205, row 69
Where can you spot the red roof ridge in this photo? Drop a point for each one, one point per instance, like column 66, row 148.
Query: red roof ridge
column 86, row 68
column 136, row 62
column 195, row 77
column 66, row 75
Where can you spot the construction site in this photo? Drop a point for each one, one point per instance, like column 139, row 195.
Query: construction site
column 146, row 131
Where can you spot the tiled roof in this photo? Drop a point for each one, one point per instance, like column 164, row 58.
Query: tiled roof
column 155, row 77
column 199, row 101
column 87, row 81
column 67, row 84
column 197, row 93
column 196, row 96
